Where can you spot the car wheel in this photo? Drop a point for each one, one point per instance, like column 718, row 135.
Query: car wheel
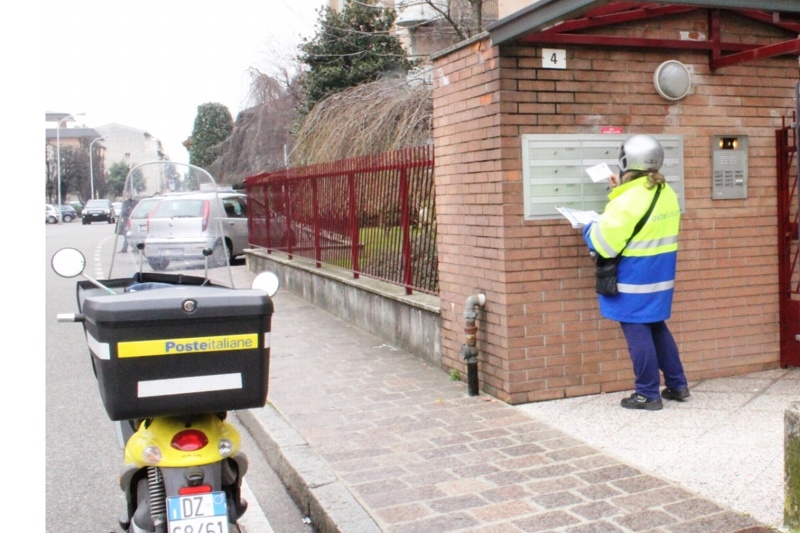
column 229, row 247
column 158, row 263
column 67, row 218
column 52, row 220
column 86, row 222
column 218, row 255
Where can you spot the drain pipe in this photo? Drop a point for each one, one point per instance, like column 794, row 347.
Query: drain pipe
column 469, row 351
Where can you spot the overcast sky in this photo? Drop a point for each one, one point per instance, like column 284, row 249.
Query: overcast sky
column 148, row 64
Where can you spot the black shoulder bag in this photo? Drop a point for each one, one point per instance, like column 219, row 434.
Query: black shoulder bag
column 605, row 269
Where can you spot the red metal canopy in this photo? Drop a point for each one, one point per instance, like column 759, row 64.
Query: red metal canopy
column 721, row 53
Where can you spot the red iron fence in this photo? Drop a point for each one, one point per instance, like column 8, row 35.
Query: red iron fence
column 373, row 215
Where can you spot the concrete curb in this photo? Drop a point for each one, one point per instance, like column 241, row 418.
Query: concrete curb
column 329, row 505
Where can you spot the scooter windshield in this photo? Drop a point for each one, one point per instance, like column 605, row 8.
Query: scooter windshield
column 171, row 222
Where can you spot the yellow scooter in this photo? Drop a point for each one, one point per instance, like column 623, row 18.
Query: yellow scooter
column 196, row 459
column 172, row 353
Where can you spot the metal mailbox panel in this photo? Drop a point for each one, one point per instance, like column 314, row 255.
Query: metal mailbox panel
column 554, row 170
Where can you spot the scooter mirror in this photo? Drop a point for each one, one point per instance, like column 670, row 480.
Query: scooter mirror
column 267, row 282
column 68, row 262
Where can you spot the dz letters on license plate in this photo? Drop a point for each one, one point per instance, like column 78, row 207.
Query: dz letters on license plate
column 198, row 513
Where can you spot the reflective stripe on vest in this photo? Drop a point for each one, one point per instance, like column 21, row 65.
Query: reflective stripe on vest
column 655, row 243
column 600, row 243
column 646, row 289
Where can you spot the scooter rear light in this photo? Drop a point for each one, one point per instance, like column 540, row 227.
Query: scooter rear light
column 200, row 489
column 189, row 440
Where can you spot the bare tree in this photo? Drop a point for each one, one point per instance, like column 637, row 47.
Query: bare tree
column 393, row 112
column 262, row 133
column 279, row 76
column 465, row 18
column 74, row 172
column 387, row 114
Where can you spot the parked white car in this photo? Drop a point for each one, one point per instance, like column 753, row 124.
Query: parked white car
column 181, row 226
column 51, row 214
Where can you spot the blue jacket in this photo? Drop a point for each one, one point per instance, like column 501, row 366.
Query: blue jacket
column 646, row 272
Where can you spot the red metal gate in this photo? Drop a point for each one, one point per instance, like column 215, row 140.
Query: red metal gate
column 374, row 215
column 788, row 249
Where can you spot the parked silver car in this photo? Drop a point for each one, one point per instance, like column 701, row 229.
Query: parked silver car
column 136, row 224
column 181, row 226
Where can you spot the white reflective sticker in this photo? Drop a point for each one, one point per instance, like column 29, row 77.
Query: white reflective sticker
column 101, row 349
column 172, row 386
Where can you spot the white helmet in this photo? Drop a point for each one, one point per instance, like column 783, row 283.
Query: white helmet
column 640, row 152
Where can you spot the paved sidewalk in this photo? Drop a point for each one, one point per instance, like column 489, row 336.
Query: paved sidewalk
column 370, row 438
column 725, row 442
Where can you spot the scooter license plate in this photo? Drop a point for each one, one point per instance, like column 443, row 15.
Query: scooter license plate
column 198, row 513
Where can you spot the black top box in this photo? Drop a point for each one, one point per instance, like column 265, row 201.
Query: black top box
column 180, row 350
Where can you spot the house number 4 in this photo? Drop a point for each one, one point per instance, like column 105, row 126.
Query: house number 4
column 554, row 58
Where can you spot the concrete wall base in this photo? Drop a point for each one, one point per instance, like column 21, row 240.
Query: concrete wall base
column 409, row 322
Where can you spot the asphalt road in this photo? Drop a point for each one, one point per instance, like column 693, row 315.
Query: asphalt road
column 83, row 457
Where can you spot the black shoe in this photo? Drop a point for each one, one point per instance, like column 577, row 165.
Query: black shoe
column 675, row 394
column 637, row 401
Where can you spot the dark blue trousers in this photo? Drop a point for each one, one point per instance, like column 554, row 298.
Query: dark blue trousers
column 652, row 348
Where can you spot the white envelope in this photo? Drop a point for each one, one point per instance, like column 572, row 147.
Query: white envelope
column 599, row 173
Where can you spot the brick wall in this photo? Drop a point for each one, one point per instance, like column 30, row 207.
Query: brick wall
column 540, row 334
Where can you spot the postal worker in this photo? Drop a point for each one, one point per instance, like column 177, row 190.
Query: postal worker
column 646, row 269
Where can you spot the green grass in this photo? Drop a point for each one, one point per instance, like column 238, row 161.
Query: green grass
column 376, row 241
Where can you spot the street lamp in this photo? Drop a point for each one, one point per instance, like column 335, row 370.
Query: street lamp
column 91, row 166
column 58, row 156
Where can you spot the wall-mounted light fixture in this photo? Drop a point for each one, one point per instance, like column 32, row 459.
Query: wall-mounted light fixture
column 672, row 80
